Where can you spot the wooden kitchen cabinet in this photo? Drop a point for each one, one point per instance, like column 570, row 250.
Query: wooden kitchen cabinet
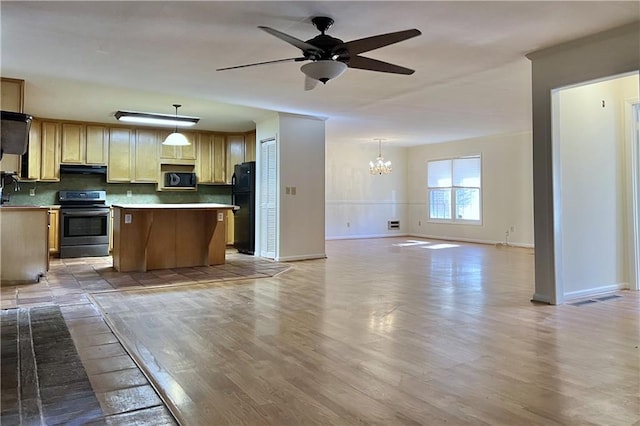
column 96, row 150
column 235, row 153
column 50, row 151
column 250, row 146
column 119, row 165
column 83, row 144
column 210, row 164
column 146, row 167
column 54, row 231
column 24, row 253
column 171, row 154
column 12, row 98
column 73, row 144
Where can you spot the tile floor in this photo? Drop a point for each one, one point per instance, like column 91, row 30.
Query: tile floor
column 124, row 393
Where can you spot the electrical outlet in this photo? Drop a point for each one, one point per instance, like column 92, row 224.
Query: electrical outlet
column 129, row 194
column 348, row 224
column 293, row 190
column 513, row 228
column 32, row 192
column 419, row 223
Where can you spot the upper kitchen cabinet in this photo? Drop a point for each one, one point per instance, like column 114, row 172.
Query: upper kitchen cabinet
column 83, row 144
column 146, row 167
column 119, row 166
column 12, row 97
column 50, row 151
column 12, row 94
column 235, row 153
column 32, row 160
column 210, row 164
column 171, row 154
column 250, row 146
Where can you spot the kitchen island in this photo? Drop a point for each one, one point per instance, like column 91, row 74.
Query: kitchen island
column 24, row 249
column 163, row 236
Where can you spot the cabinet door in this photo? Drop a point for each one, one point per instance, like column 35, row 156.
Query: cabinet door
column 188, row 152
column 120, row 155
column 54, row 234
column 147, row 167
column 50, row 163
column 34, row 151
column 235, row 153
column 12, row 94
column 73, row 144
column 250, row 146
column 204, row 169
column 96, row 145
column 10, row 163
column 167, row 152
column 219, row 160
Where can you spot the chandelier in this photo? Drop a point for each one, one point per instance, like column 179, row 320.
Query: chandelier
column 379, row 167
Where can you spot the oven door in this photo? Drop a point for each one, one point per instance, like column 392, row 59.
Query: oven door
column 84, row 226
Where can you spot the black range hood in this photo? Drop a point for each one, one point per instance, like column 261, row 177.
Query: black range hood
column 83, row 170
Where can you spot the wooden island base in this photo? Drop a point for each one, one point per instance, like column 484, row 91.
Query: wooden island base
column 163, row 236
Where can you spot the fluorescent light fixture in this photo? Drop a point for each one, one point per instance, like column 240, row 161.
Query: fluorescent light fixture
column 157, row 119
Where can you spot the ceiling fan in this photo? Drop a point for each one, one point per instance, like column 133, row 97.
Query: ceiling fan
column 330, row 56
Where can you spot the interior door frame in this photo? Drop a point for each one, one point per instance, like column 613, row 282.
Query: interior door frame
column 632, row 148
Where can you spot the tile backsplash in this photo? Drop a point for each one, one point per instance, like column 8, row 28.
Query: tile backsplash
column 141, row 193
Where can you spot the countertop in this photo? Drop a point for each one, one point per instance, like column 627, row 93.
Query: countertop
column 23, row 208
column 190, row 206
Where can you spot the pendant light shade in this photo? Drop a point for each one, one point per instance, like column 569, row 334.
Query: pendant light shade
column 176, row 138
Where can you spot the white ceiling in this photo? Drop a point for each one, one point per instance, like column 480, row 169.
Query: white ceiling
column 85, row 60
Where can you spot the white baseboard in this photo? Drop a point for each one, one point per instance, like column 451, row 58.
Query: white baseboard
column 364, row 236
column 302, row 257
column 581, row 294
column 472, row 240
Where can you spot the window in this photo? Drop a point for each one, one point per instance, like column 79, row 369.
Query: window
column 454, row 189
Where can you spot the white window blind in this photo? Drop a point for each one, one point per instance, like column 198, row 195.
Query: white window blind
column 454, row 187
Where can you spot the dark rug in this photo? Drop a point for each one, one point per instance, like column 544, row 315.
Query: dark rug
column 43, row 379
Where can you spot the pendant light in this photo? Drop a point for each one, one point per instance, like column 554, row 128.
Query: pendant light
column 175, row 138
column 379, row 167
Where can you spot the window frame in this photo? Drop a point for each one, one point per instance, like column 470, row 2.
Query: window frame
column 453, row 220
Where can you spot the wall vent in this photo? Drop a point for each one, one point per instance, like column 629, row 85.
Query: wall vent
column 393, row 224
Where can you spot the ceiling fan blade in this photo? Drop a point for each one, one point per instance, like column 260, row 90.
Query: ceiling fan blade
column 360, row 62
column 362, row 45
column 309, row 83
column 302, row 45
column 302, row 58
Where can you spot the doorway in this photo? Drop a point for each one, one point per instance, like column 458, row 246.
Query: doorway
column 595, row 162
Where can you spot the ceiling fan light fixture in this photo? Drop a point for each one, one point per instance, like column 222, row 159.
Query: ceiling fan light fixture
column 324, row 70
column 175, row 138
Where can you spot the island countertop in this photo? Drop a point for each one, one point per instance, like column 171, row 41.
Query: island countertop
column 207, row 206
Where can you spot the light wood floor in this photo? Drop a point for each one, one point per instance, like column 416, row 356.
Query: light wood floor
column 389, row 332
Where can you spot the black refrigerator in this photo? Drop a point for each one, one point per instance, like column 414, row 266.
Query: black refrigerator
column 244, row 195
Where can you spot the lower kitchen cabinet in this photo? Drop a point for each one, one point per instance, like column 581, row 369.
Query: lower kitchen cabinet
column 54, row 231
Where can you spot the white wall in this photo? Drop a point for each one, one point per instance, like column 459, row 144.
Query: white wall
column 597, row 56
column 591, row 208
column 358, row 204
column 507, row 189
column 301, row 164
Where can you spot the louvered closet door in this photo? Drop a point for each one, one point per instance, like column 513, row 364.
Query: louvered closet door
column 268, row 196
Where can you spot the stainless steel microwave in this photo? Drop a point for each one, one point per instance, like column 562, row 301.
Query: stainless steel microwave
column 179, row 180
